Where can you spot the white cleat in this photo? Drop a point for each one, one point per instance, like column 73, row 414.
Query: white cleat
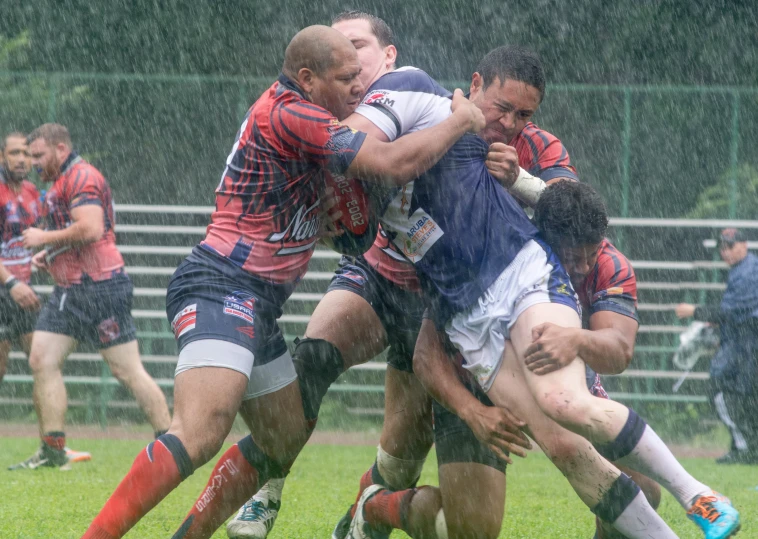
column 255, row 519
column 359, row 528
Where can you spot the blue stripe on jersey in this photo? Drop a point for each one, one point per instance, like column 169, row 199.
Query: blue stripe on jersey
column 484, row 228
column 551, row 173
column 409, row 80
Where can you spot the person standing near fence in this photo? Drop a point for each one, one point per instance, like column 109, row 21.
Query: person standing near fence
column 734, row 369
column 20, row 208
column 92, row 298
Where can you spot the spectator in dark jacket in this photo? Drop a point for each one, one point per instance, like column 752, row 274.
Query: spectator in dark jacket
column 734, row 369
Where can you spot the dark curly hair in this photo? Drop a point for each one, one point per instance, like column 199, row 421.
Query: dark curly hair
column 571, row 214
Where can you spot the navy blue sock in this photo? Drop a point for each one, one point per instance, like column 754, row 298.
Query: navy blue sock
column 627, row 439
column 617, row 499
column 177, row 450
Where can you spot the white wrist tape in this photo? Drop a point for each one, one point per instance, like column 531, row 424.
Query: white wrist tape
column 527, row 188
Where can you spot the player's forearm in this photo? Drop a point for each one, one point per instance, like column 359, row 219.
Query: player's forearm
column 79, row 233
column 606, row 351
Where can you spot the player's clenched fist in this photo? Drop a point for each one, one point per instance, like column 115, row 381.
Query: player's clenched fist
column 468, row 112
column 498, row 429
column 502, row 163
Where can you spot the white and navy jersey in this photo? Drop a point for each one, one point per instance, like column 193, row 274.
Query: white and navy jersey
column 400, row 102
column 455, row 223
column 463, row 228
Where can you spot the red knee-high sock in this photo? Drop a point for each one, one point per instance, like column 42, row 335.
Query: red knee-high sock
column 388, row 509
column 156, row 471
column 366, row 481
column 236, row 477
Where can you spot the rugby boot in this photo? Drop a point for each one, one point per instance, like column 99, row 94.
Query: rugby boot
column 255, row 519
column 715, row 515
column 44, row 457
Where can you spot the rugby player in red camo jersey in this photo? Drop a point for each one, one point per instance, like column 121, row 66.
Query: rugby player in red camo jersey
column 607, row 288
column 224, row 299
column 20, row 208
column 92, row 297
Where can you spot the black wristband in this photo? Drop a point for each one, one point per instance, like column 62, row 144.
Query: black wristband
column 10, row 283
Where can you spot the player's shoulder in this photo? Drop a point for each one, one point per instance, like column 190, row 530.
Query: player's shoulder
column 538, row 136
column 407, row 79
column 30, row 188
column 287, row 103
column 613, row 264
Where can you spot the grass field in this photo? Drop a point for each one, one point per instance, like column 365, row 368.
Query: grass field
column 53, row 504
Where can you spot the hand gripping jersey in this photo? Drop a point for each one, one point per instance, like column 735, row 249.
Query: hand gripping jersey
column 81, row 184
column 18, row 211
column 408, row 99
column 610, row 286
column 267, row 204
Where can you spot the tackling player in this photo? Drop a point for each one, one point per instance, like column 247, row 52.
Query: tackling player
column 92, row 297
column 224, row 299
column 20, row 208
column 374, row 301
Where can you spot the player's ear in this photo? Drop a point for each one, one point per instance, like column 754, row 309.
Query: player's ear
column 390, row 53
column 477, row 85
column 305, row 79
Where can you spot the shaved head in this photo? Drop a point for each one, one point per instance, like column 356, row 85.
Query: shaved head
column 317, row 48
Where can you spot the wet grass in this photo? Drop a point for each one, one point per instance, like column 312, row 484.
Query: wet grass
column 50, row 503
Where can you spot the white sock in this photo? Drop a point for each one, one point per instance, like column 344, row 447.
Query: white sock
column 398, row 473
column 272, row 490
column 652, row 458
column 639, row 520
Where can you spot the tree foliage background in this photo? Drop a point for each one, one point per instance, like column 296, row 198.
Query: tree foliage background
column 165, row 140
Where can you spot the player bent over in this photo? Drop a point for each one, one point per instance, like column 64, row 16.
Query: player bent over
column 224, row 299
column 92, row 298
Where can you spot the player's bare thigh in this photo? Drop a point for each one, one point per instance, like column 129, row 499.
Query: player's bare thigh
column 568, row 382
column 349, row 322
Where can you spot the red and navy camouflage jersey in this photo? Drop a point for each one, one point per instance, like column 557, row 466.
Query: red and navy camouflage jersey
column 610, row 286
column 81, row 184
column 267, row 204
column 19, row 210
column 540, row 153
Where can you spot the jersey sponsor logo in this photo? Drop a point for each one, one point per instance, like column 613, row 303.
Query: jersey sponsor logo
column 247, row 330
column 108, row 330
column 184, row 320
column 419, row 237
column 241, row 305
column 379, row 97
column 304, row 226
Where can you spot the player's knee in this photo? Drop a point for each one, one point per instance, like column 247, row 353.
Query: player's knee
column 650, row 489
column 202, row 436
column 318, row 364
column 463, row 524
column 566, row 408
column 41, row 363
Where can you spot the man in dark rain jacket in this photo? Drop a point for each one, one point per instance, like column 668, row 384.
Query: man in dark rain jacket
column 734, row 369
